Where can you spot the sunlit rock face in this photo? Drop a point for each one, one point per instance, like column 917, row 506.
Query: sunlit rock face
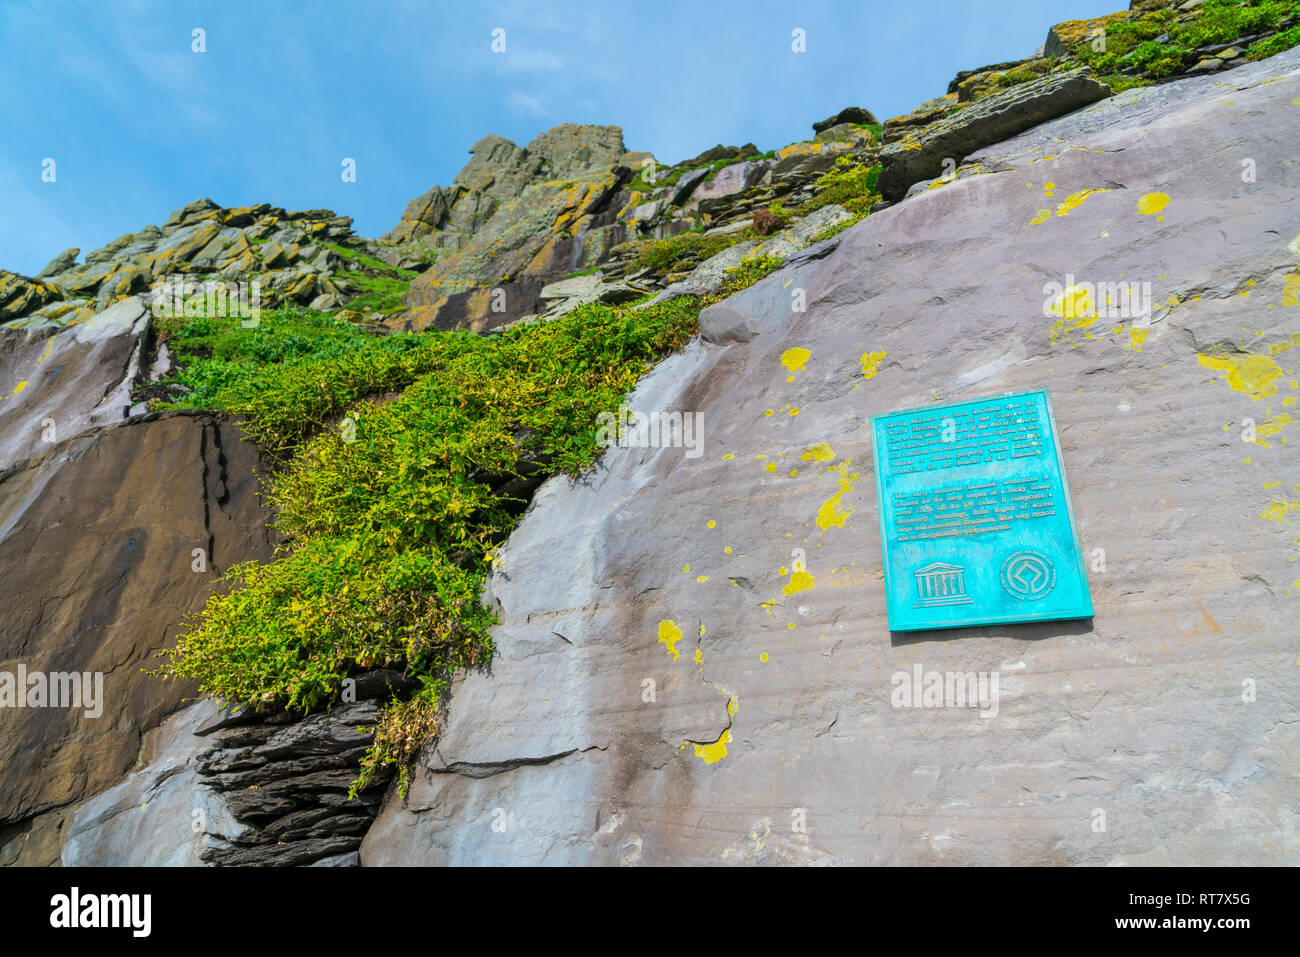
column 668, row 690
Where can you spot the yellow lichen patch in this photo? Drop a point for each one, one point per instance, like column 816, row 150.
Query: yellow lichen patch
column 818, row 452
column 799, row 581
column 1291, row 292
column 801, row 148
column 1247, row 372
column 713, row 524
column 764, row 657
column 20, row 386
column 1270, row 427
column 1075, row 200
column 669, row 635
column 1043, row 216
column 793, row 412
column 871, row 363
column 1286, row 345
column 699, row 656
column 1076, row 309
column 1048, row 188
column 770, row 467
column 686, row 569
column 1074, row 303
column 1136, row 337
column 729, row 456
column 794, row 359
column 1152, row 203
column 833, row 511
column 702, row 578
column 713, row 753
column 727, row 550
column 1281, row 511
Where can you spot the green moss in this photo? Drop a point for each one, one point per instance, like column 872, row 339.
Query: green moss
column 837, row 228
column 663, row 177
column 391, row 521
column 663, row 256
column 851, row 185
column 370, row 262
column 378, row 293
column 218, row 357
column 1119, row 82
column 1155, row 46
column 1222, row 21
column 1284, row 40
column 750, row 271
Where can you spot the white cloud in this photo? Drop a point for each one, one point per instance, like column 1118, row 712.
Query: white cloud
column 525, row 104
column 530, row 61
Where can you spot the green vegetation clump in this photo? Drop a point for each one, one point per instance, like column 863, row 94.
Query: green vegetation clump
column 1154, row 46
column 382, row 286
column 750, row 271
column 663, row 177
column 663, row 256
column 1284, row 40
column 379, row 293
column 1221, row 21
column 391, row 511
column 370, row 262
column 223, row 364
column 851, row 185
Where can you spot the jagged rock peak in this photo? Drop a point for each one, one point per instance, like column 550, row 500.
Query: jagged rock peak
column 500, row 170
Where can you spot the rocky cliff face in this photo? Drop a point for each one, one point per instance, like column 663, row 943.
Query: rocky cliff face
column 521, row 224
column 665, row 691
column 107, row 541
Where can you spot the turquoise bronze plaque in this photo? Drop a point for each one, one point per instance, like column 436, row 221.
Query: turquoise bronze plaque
column 975, row 520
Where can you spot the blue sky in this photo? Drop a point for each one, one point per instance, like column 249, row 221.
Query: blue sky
column 138, row 124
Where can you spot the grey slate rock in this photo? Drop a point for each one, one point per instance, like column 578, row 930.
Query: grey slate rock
column 64, row 260
column 920, row 155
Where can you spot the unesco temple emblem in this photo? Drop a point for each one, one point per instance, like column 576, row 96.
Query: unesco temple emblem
column 941, row 584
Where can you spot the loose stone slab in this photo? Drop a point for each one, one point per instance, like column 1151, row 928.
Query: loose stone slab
column 975, row 520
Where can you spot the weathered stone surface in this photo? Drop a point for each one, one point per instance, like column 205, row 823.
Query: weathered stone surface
column 20, row 295
column 731, row 179
column 920, row 156
column 539, row 236
column 96, row 575
column 1064, row 37
column 160, row 815
column 708, row 276
column 715, row 153
column 59, row 263
column 850, row 114
column 80, row 377
column 776, row 702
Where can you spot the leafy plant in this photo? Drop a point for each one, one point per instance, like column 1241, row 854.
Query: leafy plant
column 850, row 184
column 388, row 536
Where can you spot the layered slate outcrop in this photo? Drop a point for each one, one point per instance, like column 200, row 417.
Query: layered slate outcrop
column 98, row 569
column 665, row 691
